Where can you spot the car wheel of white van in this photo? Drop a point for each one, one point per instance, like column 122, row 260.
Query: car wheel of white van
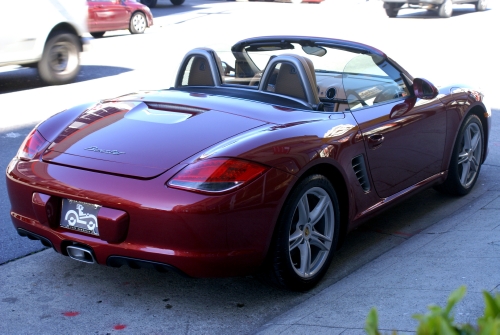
column 481, row 5
column 446, row 9
column 60, row 61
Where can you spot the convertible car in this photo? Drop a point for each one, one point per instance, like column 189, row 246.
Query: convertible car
column 260, row 159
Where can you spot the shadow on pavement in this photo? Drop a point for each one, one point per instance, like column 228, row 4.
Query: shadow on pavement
column 12, row 246
column 21, row 79
column 165, row 7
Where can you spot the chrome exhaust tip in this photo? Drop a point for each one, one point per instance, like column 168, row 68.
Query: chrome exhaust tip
column 80, row 254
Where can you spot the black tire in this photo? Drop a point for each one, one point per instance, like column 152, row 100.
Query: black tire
column 299, row 234
column 481, row 5
column 149, row 3
column 138, row 23
column 60, row 61
column 466, row 158
column 445, row 9
column 97, row 34
column 392, row 12
column 357, row 100
column 177, row 2
column 392, row 8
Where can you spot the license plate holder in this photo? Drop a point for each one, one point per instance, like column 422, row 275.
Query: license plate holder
column 80, row 216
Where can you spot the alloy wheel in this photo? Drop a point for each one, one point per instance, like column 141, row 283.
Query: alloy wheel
column 469, row 156
column 311, row 232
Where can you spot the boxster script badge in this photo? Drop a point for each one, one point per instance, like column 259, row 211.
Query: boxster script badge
column 103, row 151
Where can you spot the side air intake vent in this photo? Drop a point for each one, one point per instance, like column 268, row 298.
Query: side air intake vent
column 359, row 167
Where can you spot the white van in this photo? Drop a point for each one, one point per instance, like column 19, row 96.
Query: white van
column 46, row 34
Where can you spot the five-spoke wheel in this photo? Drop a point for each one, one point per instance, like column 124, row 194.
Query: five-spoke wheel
column 311, row 232
column 466, row 158
column 470, row 153
column 307, row 234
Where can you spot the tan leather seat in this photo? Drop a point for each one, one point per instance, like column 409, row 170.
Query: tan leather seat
column 200, row 67
column 288, row 82
column 200, row 73
column 311, row 74
column 296, row 78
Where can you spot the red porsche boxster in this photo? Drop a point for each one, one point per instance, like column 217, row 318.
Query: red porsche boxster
column 259, row 159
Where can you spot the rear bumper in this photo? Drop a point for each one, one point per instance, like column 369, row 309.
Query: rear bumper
column 201, row 236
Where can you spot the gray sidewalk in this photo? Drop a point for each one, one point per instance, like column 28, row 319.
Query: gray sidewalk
column 462, row 249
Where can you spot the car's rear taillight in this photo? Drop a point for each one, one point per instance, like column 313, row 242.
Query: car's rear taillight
column 216, row 175
column 32, row 146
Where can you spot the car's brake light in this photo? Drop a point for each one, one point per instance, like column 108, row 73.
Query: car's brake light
column 216, row 175
column 32, row 146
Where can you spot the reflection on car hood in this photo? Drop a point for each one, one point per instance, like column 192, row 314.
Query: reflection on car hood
column 141, row 139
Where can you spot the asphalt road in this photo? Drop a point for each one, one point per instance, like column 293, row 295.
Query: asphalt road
column 39, row 289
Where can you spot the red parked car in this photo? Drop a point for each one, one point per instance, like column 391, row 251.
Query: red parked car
column 261, row 158
column 106, row 15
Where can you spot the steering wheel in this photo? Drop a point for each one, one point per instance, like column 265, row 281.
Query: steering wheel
column 356, row 100
column 388, row 93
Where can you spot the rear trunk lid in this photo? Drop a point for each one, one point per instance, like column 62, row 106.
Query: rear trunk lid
column 142, row 139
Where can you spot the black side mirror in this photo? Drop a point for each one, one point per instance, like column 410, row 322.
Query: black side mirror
column 424, row 89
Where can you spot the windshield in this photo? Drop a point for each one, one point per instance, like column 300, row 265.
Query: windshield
column 334, row 60
column 369, row 80
column 346, row 77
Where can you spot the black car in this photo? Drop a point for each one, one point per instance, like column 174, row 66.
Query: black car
column 152, row 3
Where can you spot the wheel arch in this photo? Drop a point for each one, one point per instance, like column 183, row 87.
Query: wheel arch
column 481, row 112
column 335, row 176
column 338, row 181
column 65, row 27
column 143, row 13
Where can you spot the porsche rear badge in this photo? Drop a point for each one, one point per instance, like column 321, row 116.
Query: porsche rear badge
column 102, row 151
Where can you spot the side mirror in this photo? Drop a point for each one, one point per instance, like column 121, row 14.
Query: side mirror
column 424, row 89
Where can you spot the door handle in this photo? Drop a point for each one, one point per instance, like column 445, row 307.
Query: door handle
column 375, row 140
